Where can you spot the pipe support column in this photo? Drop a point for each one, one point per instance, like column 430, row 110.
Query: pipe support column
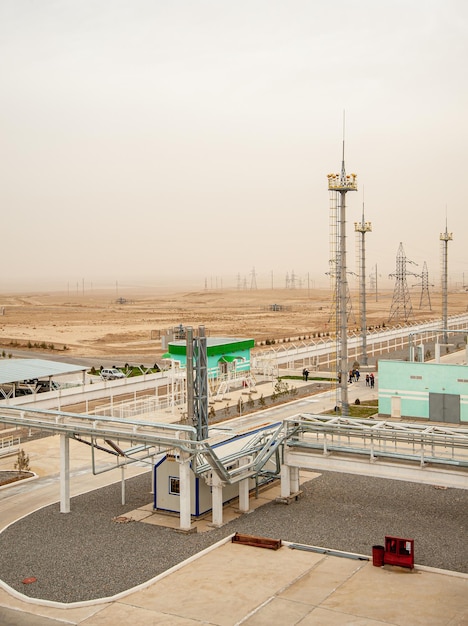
column 217, row 500
column 64, row 474
column 184, row 495
column 285, row 481
column 244, row 492
column 294, row 479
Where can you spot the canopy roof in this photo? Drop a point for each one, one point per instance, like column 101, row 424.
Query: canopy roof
column 214, row 346
column 17, row 370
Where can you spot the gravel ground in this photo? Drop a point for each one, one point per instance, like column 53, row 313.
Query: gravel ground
column 85, row 554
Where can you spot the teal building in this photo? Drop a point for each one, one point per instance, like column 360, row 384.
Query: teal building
column 437, row 392
column 224, row 355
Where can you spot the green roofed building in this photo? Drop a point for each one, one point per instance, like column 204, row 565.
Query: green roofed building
column 224, row 355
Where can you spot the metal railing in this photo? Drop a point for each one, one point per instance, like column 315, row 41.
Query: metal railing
column 314, row 434
column 373, row 438
column 9, row 445
column 322, row 351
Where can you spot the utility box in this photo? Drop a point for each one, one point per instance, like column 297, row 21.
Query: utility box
column 378, row 556
column 399, row 551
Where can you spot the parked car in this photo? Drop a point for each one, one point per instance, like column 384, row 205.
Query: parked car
column 111, row 374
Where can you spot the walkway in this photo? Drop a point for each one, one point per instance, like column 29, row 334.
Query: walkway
column 283, row 588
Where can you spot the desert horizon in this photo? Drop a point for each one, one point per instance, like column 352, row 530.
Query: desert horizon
column 99, row 324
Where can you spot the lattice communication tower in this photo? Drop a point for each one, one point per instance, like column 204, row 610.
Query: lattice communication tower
column 291, row 280
column 425, row 299
column 401, row 308
column 334, row 264
column 253, row 279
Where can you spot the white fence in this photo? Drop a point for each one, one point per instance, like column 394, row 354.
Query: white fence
column 322, row 351
column 9, row 445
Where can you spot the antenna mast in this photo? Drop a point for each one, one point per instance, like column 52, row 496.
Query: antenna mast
column 338, row 186
column 361, row 228
column 444, row 239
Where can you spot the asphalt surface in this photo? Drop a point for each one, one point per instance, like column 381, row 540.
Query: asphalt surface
column 86, row 554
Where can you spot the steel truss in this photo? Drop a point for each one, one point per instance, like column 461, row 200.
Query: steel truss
column 396, row 441
column 132, row 440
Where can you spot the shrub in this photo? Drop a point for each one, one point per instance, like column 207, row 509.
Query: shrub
column 22, row 462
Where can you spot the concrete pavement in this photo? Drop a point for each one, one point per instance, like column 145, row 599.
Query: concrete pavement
column 232, row 584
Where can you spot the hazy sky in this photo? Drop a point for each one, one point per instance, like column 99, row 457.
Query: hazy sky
column 153, row 138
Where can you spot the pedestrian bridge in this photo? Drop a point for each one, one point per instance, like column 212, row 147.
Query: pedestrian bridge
column 415, row 452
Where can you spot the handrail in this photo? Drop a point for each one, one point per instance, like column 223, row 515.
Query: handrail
column 437, row 444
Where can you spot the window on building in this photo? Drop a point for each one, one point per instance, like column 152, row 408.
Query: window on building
column 174, row 485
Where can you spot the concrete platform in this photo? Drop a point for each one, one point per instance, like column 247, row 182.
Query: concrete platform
column 235, row 584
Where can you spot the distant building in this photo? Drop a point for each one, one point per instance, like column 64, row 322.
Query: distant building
column 224, row 355
column 437, row 392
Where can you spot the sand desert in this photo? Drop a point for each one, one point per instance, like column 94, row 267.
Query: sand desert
column 128, row 328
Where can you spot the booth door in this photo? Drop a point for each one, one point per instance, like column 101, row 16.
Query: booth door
column 444, row 407
column 395, row 406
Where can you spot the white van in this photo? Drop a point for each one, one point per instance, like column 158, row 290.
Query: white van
column 111, row 374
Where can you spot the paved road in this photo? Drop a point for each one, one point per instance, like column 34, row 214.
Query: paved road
column 26, row 496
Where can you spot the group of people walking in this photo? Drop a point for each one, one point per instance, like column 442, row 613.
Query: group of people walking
column 354, row 376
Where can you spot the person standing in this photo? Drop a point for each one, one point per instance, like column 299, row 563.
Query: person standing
column 371, row 381
column 367, row 380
